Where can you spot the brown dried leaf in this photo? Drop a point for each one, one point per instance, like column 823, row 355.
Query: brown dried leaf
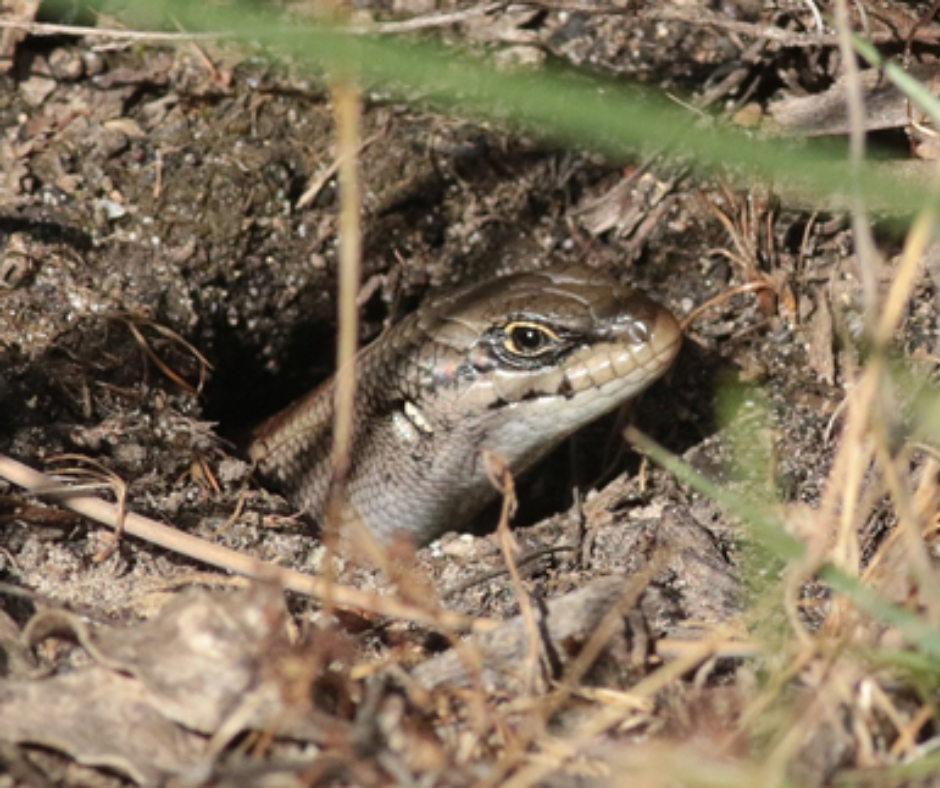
column 100, row 718
column 210, row 663
column 196, row 660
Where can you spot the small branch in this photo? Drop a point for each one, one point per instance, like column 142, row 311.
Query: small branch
column 47, row 29
column 215, row 555
column 786, row 38
column 347, row 108
column 695, row 17
column 431, row 21
column 866, row 252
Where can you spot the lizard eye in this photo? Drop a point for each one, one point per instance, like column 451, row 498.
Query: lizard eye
column 529, row 339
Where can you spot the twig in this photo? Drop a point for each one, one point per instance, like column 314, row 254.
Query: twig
column 432, row 21
column 610, row 716
column 215, row 555
column 133, row 323
column 696, row 17
column 866, row 252
column 817, row 17
column 747, row 287
column 492, row 574
column 786, row 38
column 48, row 29
column 501, row 477
column 317, row 183
column 347, row 109
column 110, row 480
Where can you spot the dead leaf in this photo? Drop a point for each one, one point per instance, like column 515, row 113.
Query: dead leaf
column 100, row 718
column 210, row 664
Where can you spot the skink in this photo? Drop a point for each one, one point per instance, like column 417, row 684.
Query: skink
column 513, row 366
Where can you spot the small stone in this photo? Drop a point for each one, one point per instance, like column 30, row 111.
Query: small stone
column 66, row 65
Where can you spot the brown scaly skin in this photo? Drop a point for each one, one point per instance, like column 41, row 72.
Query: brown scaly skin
column 513, row 366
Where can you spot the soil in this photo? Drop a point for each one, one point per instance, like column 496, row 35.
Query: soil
column 162, row 292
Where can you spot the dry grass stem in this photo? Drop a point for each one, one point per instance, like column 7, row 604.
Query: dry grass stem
column 215, row 555
column 761, row 30
column 49, row 29
column 609, row 717
column 747, row 287
column 322, row 179
column 99, row 476
column 347, row 105
column 501, row 477
column 865, row 250
column 134, row 324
